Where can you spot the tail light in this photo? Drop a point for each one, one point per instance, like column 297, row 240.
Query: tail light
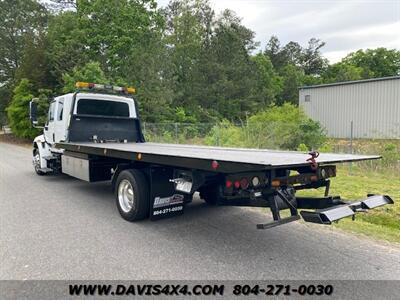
column 214, row 164
column 244, row 183
column 255, row 181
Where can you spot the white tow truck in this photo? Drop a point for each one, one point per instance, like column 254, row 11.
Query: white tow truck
column 95, row 134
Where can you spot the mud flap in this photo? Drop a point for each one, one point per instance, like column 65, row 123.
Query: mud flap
column 165, row 202
column 329, row 215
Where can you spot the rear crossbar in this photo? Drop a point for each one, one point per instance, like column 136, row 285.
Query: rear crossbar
column 331, row 214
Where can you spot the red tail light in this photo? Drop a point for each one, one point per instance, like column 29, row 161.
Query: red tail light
column 214, row 164
column 244, row 183
column 237, row 184
column 228, row 184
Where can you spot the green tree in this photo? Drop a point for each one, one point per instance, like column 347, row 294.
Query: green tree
column 273, row 51
column 379, row 62
column 188, row 23
column 268, row 83
column 90, row 72
column 293, row 53
column 18, row 110
column 5, row 93
column 311, row 58
column 66, row 44
column 231, row 72
column 296, row 66
column 124, row 37
column 342, row 72
column 21, row 21
column 292, row 79
column 114, row 30
column 35, row 65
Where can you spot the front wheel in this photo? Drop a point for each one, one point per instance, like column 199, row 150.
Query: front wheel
column 36, row 162
column 132, row 195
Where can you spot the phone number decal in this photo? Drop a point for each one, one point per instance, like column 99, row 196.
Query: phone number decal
column 167, row 210
column 282, row 289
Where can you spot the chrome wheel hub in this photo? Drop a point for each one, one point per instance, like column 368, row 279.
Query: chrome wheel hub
column 36, row 161
column 126, row 197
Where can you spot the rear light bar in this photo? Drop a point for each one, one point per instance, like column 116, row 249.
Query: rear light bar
column 97, row 86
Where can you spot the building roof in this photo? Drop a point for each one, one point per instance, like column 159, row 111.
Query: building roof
column 349, row 82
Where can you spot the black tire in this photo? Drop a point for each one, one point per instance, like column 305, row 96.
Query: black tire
column 141, row 195
column 210, row 194
column 35, row 166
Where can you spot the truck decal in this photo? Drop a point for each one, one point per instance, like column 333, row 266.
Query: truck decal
column 167, row 201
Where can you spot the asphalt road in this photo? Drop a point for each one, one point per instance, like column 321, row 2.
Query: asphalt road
column 57, row 227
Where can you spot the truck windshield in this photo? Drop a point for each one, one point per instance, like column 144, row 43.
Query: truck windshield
column 102, row 108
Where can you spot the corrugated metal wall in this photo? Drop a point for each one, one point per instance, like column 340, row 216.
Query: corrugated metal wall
column 372, row 106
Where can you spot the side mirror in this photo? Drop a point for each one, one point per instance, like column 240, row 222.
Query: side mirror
column 33, row 111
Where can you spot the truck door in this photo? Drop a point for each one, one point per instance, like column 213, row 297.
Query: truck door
column 59, row 122
column 49, row 127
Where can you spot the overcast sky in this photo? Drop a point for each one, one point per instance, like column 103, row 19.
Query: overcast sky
column 345, row 26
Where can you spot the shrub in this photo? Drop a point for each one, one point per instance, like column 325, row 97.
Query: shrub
column 18, row 110
column 226, row 134
column 390, row 155
column 278, row 127
column 302, row 147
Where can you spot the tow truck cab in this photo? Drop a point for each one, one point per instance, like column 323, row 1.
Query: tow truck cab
column 85, row 116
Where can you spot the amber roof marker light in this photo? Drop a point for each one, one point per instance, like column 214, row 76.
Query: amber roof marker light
column 97, row 86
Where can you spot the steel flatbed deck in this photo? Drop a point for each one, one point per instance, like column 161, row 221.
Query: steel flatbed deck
column 200, row 157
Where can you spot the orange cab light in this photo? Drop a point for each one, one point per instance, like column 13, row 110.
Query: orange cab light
column 81, row 85
column 275, row 183
column 130, row 90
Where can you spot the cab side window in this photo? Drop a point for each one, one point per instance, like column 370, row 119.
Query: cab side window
column 52, row 111
column 60, row 110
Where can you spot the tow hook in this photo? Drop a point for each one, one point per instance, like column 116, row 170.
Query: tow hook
column 312, row 161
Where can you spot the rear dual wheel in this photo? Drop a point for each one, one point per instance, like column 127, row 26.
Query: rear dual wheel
column 132, row 195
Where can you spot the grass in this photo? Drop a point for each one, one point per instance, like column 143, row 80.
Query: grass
column 380, row 223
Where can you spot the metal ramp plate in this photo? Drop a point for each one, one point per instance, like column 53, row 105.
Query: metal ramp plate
column 329, row 215
column 375, row 201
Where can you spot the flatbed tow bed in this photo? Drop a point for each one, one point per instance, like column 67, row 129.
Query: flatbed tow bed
column 225, row 160
column 194, row 156
column 95, row 135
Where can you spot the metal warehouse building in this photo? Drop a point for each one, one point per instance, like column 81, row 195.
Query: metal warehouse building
column 363, row 108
